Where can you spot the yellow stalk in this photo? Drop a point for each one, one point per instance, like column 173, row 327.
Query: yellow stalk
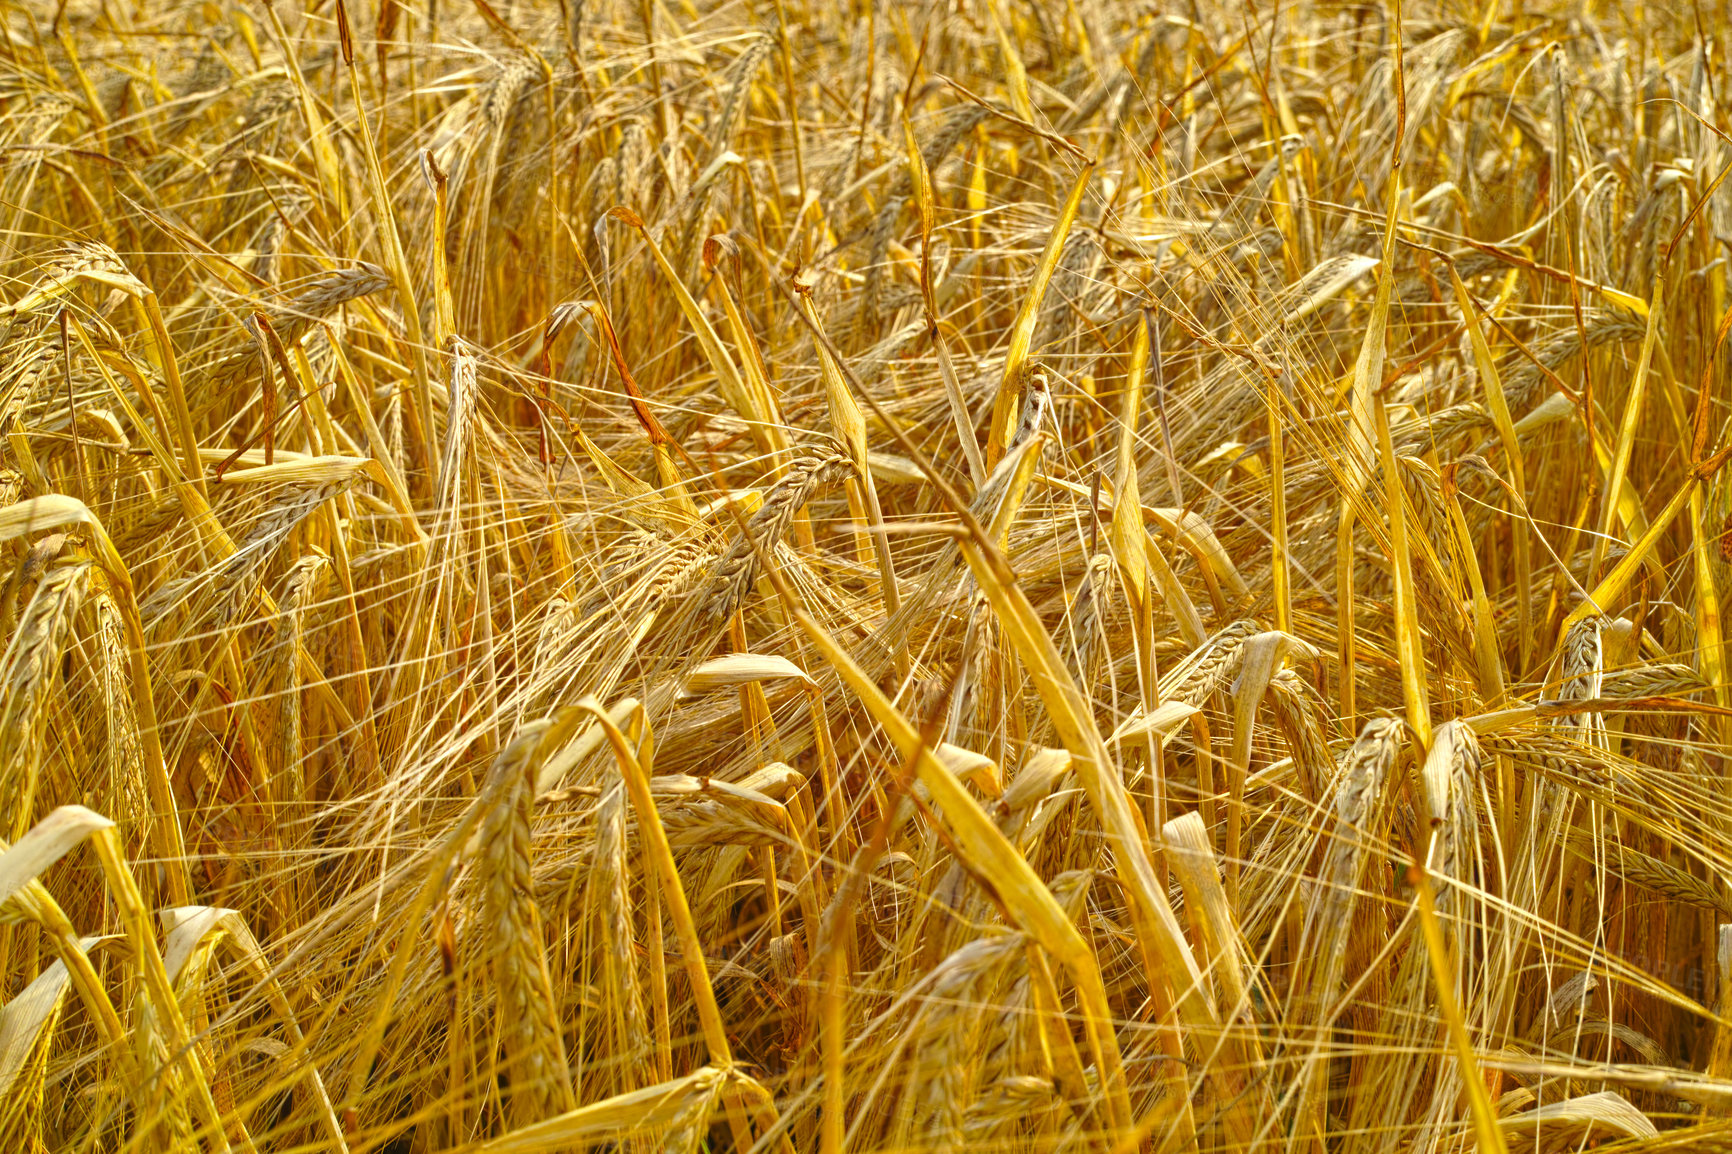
column 1614, row 489
column 1281, row 578
column 444, row 313
column 1131, row 547
column 990, row 856
column 1013, row 66
column 1612, row 586
column 1485, row 1127
column 325, row 159
column 849, row 424
column 393, row 258
column 1492, row 385
column 1487, row 653
column 1710, row 638
column 1167, row 956
column 1362, row 427
column 1408, row 646
column 767, row 430
column 1127, row 534
column 1022, row 331
column 728, row 379
column 176, row 390
column 1346, row 632
column 661, row 859
column 135, row 919
column 924, row 201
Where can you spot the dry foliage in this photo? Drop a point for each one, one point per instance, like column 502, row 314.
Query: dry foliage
column 828, row 575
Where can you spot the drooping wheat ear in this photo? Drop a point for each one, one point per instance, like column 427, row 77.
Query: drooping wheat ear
column 322, row 296
column 697, row 1108
column 508, row 87
column 1365, row 769
column 635, row 154
column 267, row 243
column 1581, row 674
column 725, row 820
column 460, row 413
column 693, row 209
column 1663, row 680
column 948, row 1026
column 527, row 1014
column 1299, row 718
column 237, row 578
column 1712, row 1137
column 81, row 257
column 1008, row 1105
column 1557, row 756
column 1069, row 288
column 660, row 573
column 604, row 192
column 1451, row 777
column 153, row 525
column 296, row 316
column 869, row 313
column 171, row 1129
column 1208, row 668
column 128, row 793
column 739, row 79
column 1084, row 627
column 1651, row 873
column 607, row 897
column 554, row 638
column 26, row 362
column 954, row 1051
column 961, row 121
column 1434, row 430
column 737, row 568
column 1036, row 410
column 1358, row 787
column 1424, row 488
column 989, row 501
column 1358, row 796
column 959, row 124
column 679, row 569
column 26, row 1029
column 78, row 259
column 1524, row 378
column 300, row 589
column 26, row 673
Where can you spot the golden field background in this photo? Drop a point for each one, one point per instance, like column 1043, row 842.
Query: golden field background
column 1019, row 575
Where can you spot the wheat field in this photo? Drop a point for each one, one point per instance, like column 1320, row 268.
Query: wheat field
column 835, row 575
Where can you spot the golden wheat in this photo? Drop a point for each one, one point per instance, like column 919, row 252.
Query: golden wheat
column 841, row 577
